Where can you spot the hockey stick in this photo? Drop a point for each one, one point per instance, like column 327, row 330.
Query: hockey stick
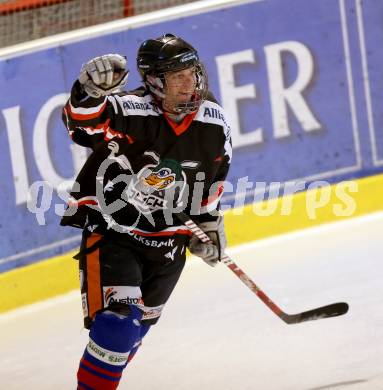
column 333, row 310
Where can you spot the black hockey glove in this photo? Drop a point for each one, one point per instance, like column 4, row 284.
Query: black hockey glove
column 210, row 253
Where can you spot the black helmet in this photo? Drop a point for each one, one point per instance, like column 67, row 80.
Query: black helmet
column 170, row 53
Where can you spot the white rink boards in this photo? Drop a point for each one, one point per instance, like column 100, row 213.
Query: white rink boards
column 216, row 334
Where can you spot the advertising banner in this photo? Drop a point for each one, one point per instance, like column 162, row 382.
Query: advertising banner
column 299, row 80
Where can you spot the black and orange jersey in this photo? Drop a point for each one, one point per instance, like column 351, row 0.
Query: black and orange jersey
column 143, row 164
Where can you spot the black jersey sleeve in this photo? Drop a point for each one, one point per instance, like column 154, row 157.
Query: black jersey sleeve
column 85, row 117
column 90, row 120
column 210, row 204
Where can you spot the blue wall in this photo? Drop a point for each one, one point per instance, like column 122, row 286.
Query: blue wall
column 289, row 73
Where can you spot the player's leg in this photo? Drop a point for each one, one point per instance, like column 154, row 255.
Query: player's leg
column 111, row 338
column 143, row 331
column 160, row 273
column 111, row 296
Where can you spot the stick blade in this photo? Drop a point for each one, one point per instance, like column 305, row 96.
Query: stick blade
column 333, row 310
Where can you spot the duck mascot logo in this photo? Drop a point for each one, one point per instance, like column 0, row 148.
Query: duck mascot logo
column 159, row 186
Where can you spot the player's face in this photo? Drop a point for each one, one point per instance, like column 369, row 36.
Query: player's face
column 179, row 86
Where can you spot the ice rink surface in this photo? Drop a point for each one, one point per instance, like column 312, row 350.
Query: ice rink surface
column 216, row 334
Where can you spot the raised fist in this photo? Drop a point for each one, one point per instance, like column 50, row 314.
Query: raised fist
column 104, row 75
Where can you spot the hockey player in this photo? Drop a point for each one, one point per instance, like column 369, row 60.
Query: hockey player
column 160, row 148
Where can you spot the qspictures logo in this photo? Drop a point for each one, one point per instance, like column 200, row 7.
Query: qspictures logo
column 160, row 184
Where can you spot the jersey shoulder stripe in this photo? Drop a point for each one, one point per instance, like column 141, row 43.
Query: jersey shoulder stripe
column 85, row 113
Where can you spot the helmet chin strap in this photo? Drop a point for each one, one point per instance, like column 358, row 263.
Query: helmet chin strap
column 176, row 116
column 181, row 107
column 160, row 98
column 168, row 109
column 156, row 87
